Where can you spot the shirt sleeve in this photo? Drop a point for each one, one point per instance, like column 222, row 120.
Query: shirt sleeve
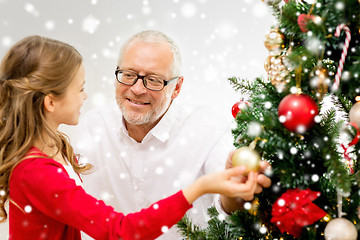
column 50, row 190
column 218, row 207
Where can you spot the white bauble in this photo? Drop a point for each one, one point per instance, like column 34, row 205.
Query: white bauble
column 340, row 229
column 354, row 113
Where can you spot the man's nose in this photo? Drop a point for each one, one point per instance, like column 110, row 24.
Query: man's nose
column 139, row 88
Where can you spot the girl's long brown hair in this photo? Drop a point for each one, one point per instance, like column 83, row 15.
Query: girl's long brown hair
column 33, row 67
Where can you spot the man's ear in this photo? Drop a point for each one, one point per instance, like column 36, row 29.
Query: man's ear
column 49, row 103
column 177, row 88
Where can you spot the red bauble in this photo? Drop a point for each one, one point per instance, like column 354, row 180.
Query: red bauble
column 238, row 106
column 297, row 111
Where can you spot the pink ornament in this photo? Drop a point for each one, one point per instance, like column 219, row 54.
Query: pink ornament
column 303, row 20
column 297, row 111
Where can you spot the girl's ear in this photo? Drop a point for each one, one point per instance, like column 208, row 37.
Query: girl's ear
column 49, row 103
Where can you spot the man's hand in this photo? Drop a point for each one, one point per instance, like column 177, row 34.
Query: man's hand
column 229, row 204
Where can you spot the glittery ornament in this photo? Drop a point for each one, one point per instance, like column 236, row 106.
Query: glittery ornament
column 319, row 81
column 277, row 71
column 274, row 41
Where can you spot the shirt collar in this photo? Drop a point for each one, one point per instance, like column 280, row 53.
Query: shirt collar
column 162, row 130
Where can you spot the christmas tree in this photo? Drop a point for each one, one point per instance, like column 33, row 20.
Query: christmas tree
column 303, row 118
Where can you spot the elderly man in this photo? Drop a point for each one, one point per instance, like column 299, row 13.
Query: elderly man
column 148, row 146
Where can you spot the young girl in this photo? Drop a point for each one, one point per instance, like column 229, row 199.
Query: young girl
column 41, row 87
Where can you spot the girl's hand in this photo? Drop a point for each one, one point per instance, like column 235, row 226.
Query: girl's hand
column 230, row 204
column 263, row 180
column 225, row 183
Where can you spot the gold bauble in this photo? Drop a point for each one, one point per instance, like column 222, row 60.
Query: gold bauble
column 274, row 41
column 246, row 156
column 354, row 113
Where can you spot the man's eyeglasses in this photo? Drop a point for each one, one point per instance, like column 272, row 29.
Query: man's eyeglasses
column 151, row 82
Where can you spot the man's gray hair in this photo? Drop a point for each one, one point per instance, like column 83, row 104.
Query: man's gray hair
column 156, row 36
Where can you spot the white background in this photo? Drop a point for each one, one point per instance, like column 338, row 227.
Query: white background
column 218, row 40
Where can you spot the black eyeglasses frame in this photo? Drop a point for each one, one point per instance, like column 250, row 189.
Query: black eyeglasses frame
column 142, row 77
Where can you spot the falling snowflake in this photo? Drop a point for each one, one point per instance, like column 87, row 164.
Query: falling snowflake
column 98, row 99
column 188, row 10
column 281, row 202
column 263, row 230
column 226, row 30
column 159, row 170
column 221, row 217
column 90, row 24
column 31, row 9
column 146, row 10
column 314, row 45
column 260, row 10
column 254, row 129
column 315, row 178
column 293, row 150
column 7, row 41
column 28, row 209
column 247, row 205
column 339, row 6
column 49, row 25
column 106, row 196
column 164, row 229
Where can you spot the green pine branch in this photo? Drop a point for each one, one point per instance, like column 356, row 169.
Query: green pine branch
column 314, row 159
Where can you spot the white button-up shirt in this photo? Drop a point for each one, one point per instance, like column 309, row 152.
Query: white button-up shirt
column 129, row 176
